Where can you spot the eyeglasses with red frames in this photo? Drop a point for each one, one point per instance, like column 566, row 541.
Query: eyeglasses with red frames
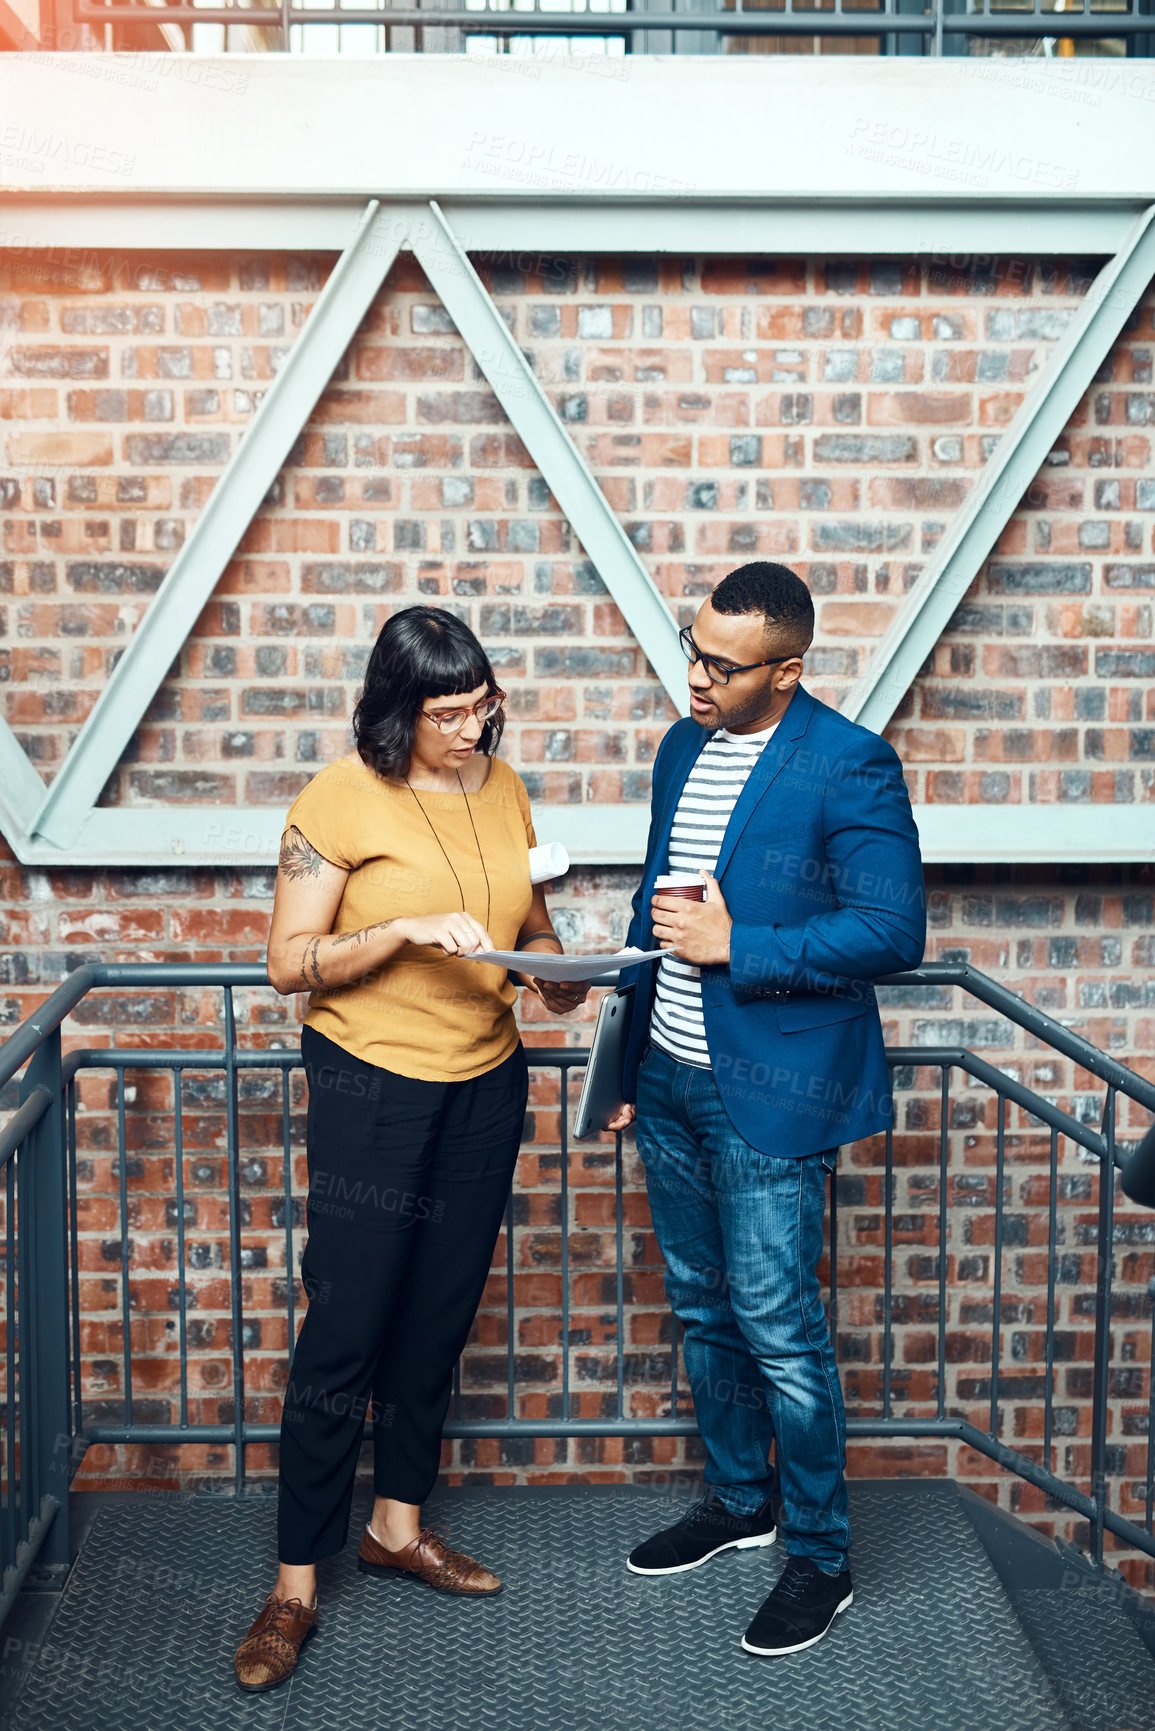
column 453, row 720
column 716, row 671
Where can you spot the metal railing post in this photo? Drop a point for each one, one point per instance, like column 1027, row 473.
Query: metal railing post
column 236, row 1278
column 38, row 1147
column 1100, row 1387
column 43, row 1229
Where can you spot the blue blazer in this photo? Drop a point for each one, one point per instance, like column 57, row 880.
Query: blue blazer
column 821, row 872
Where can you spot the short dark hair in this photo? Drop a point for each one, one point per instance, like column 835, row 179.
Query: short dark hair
column 776, row 592
column 420, row 652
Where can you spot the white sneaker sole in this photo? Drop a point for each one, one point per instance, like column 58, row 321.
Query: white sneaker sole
column 755, row 1544
column 799, row 1646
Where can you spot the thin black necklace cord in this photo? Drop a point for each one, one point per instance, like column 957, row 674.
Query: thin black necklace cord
column 477, row 845
column 441, row 845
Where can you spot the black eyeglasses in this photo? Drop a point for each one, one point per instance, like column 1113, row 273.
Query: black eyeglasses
column 716, row 672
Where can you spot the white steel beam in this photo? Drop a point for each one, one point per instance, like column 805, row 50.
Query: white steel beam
column 250, row 836
column 792, row 227
column 234, row 501
column 13, row 812
column 564, row 470
column 755, row 225
column 1004, row 478
column 21, row 788
column 395, row 125
column 642, row 186
column 594, row 835
column 1075, row 833
column 70, row 228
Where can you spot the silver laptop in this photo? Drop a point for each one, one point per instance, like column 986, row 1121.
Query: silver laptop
column 601, row 1095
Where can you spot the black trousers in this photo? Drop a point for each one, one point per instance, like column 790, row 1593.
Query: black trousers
column 408, row 1182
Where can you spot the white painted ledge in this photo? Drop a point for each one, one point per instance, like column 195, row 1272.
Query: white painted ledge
column 789, row 127
column 606, row 835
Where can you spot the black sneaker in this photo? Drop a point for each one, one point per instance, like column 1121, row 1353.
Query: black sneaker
column 707, row 1529
column 800, row 1609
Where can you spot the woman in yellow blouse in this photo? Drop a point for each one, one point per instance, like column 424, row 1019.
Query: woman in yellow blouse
column 396, row 864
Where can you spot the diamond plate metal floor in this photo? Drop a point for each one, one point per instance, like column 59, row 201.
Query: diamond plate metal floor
column 1097, row 1664
column 162, row 1592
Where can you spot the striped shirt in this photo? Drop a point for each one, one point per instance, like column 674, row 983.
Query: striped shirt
column 709, row 796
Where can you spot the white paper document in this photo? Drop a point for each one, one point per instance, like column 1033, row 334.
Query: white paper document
column 541, row 965
column 547, row 862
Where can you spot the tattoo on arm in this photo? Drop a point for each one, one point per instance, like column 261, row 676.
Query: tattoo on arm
column 363, row 936
column 309, row 968
column 532, row 938
column 311, row 975
column 299, row 858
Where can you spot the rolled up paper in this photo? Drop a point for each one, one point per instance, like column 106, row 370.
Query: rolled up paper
column 547, row 861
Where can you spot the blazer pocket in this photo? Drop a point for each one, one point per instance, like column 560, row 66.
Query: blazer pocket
column 817, row 1012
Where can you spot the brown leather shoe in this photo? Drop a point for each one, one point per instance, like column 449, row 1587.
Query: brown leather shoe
column 268, row 1653
column 432, row 1561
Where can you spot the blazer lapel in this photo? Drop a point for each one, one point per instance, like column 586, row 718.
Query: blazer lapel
column 776, row 754
column 674, row 781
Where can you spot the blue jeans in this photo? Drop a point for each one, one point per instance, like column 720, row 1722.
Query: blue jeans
column 741, row 1234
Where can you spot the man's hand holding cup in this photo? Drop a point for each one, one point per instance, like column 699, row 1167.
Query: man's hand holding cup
column 690, row 917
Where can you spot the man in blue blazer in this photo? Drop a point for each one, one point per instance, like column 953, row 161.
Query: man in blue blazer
column 755, row 1050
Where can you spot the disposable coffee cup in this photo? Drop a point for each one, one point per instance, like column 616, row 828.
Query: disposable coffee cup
column 684, row 885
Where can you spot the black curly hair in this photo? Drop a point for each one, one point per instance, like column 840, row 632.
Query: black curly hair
column 421, row 652
column 776, row 592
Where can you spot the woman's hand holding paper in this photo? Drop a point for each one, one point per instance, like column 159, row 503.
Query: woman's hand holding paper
column 560, row 996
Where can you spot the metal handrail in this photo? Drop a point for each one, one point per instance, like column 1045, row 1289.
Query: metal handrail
column 243, row 1432
column 1032, row 1020
column 28, row 1114
column 20, row 1046
column 43, row 1125
column 265, row 1058
column 962, row 1058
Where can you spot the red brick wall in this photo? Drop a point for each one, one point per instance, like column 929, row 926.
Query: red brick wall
column 832, row 416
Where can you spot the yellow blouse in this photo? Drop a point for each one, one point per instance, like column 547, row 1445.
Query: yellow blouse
column 422, row 1013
